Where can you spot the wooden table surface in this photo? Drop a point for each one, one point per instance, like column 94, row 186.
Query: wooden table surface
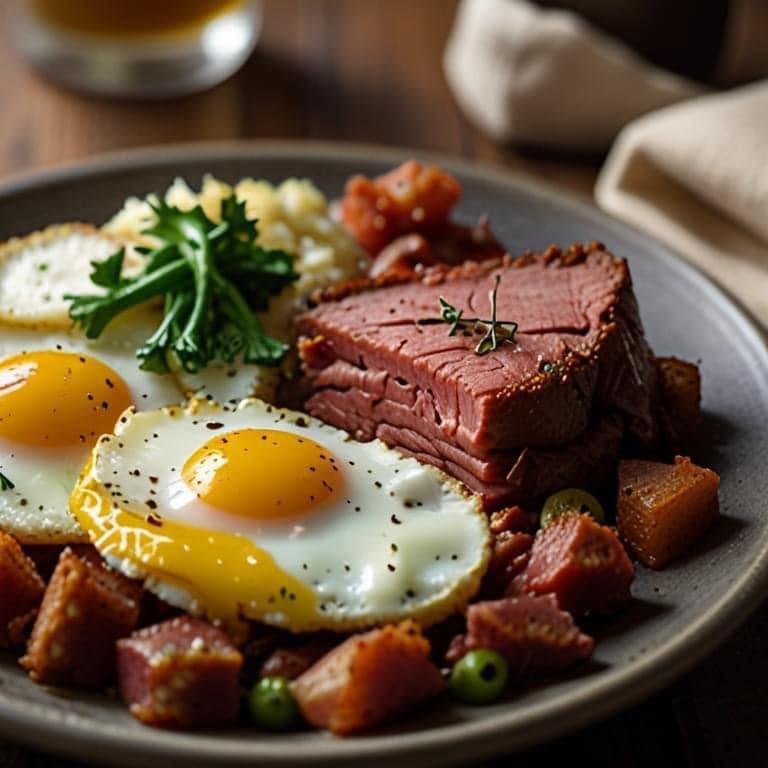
column 364, row 70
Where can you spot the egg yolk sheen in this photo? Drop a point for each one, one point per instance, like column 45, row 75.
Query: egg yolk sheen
column 58, row 399
column 263, row 474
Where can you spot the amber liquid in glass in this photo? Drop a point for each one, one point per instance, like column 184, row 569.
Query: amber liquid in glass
column 129, row 18
column 138, row 48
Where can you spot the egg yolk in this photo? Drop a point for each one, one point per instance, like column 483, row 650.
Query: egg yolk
column 226, row 573
column 58, row 399
column 263, row 474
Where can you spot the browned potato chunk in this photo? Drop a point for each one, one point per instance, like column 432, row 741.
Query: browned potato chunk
column 680, row 389
column 87, row 606
column 664, row 508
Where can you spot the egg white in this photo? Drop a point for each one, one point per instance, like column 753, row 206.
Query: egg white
column 38, row 270
column 404, row 541
column 36, row 510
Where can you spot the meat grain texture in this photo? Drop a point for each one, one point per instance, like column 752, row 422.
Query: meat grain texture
column 549, row 409
column 582, row 563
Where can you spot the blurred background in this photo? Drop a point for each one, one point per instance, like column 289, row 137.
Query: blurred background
column 541, row 88
column 356, row 70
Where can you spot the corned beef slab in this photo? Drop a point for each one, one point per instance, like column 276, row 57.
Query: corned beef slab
column 548, row 409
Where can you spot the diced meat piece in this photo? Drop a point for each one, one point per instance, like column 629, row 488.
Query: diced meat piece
column 663, row 509
column 579, row 351
column 293, row 661
column 86, row 608
column 411, row 198
column 368, row 679
column 21, row 589
column 511, row 552
column 680, row 387
column 582, row 563
column 514, row 519
column 534, row 635
column 183, row 673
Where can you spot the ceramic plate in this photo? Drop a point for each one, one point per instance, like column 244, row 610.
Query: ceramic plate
column 678, row 615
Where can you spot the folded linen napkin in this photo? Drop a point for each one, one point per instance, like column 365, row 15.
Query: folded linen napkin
column 695, row 175
column 546, row 77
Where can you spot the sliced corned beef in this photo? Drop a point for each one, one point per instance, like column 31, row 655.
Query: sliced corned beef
column 547, row 411
column 579, row 348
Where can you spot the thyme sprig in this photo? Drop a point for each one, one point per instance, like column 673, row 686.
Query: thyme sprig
column 495, row 332
column 5, row 483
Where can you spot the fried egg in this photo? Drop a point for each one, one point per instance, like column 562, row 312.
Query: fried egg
column 59, row 391
column 263, row 513
column 38, row 270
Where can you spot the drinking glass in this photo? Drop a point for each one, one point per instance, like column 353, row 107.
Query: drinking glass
column 138, row 48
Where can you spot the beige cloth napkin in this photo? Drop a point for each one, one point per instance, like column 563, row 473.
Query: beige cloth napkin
column 695, row 175
column 546, row 77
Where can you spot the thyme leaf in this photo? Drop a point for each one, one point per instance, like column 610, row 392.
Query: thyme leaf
column 495, row 332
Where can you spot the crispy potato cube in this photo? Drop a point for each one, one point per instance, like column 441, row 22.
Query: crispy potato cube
column 86, row 608
column 680, row 390
column 663, row 509
column 21, row 589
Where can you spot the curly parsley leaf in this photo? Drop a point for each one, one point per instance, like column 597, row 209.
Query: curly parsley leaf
column 107, row 273
column 212, row 278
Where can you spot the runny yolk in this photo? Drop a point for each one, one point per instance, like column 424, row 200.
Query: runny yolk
column 58, row 399
column 228, row 574
column 263, row 474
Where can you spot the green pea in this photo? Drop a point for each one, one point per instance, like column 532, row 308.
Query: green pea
column 272, row 704
column 571, row 500
column 479, row 677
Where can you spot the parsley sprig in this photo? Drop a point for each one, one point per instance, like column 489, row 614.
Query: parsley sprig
column 5, row 483
column 212, row 279
column 495, row 332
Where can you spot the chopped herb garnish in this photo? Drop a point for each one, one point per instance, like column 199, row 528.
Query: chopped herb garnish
column 42, row 267
column 5, row 483
column 212, row 278
column 495, row 332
